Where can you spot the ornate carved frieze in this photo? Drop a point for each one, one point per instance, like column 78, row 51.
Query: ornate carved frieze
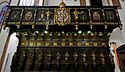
column 61, row 16
column 63, row 38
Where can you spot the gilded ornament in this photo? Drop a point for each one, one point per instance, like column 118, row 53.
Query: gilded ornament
column 70, row 44
column 28, row 15
column 55, row 44
column 62, row 15
column 83, row 57
column 48, row 13
column 63, row 43
column 67, row 56
column 79, row 44
column 96, row 16
column 76, row 14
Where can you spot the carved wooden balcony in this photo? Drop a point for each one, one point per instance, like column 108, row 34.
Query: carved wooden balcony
column 71, row 18
column 47, row 34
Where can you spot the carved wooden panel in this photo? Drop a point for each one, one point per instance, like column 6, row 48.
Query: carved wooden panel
column 110, row 15
column 82, row 14
column 15, row 16
column 96, row 15
column 28, row 16
column 45, row 16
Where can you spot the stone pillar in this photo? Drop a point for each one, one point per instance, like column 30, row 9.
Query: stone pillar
column 14, row 3
column 4, row 36
column 82, row 2
column 46, row 2
column 88, row 3
column 104, row 2
column 41, row 3
column 11, row 49
column 116, row 3
column 108, row 2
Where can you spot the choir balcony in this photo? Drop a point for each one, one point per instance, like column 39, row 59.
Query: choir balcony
column 65, row 38
column 68, row 18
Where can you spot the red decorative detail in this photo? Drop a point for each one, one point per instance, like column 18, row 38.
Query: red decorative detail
column 63, row 16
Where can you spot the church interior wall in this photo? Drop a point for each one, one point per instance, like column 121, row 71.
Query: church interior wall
column 122, row 17
column 3, row 38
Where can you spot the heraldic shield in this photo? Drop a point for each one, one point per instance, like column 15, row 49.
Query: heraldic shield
column 62, row 16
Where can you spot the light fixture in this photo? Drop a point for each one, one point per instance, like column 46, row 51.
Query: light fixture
column 105, row 26
column 63, row 32
column 51, row 34
column 45, row 32
column 89, row 32
column 91, row 27
column 42, row 34
column 83, row 34
column 36, row 32
column 67, row 34
column 92, row 34
column 75, row 34
column 58, row 34
column 80, row 32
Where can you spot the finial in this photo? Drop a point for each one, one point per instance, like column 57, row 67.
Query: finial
column 62, row 4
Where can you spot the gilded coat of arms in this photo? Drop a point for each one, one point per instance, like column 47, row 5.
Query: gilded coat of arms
column 62, row 15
